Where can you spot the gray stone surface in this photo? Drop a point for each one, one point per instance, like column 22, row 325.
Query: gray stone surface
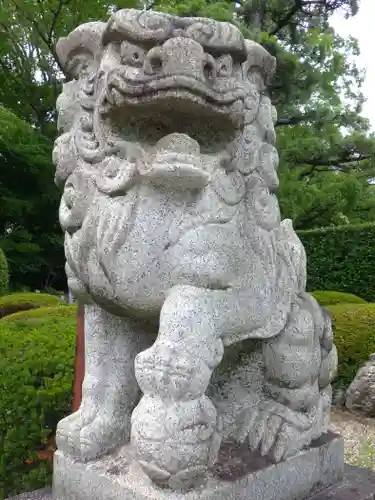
column 238, row 475
column 357, row 484
column 360, row 395
column 198, row 327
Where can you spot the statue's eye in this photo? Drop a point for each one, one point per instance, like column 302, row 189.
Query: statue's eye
column 254, row 75
column 79, row 67
column 132, row 55
column 225, row 66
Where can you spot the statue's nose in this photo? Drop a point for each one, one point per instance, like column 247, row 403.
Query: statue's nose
column 180, row 56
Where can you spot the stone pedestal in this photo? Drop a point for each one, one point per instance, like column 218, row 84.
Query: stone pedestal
column 357, row 484
column 237, row 475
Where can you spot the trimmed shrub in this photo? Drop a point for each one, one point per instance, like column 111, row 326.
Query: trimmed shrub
column 328, row 298
column 4, row 274
column 354, row 336
column 10, row 304
column 38, row 316
column 341, row 258
column 37, row 369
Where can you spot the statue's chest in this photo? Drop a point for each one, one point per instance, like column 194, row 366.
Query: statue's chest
column 155, row 212
column 161, row 217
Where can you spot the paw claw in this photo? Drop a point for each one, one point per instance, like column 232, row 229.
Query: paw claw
column 256, row 434
column 245, row 424
column 281, row 445
column 270, row 434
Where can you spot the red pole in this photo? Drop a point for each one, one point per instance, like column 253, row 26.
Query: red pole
column 79, row 367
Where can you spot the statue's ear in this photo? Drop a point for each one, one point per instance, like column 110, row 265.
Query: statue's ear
column 80, row 52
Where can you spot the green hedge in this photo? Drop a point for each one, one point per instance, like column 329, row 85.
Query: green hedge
column 330, row 298
column 37, row 366
column 10, row 304
column 38, row 316
column 354, row 336
column 4, row 274
column 341, row 258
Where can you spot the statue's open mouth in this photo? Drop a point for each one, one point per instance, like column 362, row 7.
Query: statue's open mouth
column 147, row 110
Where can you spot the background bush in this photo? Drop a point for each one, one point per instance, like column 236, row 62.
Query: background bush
column 4, row 275
column 10, row 304
column 37, row 316
column 354, row 336
column 37, row 368
column 327, row 298
column 341, row 258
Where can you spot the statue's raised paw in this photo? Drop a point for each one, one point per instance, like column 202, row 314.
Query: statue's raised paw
column 176, row 442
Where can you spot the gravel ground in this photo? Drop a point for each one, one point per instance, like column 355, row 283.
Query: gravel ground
column 359, row 435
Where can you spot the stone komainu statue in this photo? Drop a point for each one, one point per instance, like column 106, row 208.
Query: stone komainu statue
column 198, row 326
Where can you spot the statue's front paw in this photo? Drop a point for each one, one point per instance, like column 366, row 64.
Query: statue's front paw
column 102, row 435
column 69, row 429
column 278, row 432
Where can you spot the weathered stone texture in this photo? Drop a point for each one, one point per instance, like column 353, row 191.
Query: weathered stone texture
column 237, row 475
column 198, row 326
column 361, row 392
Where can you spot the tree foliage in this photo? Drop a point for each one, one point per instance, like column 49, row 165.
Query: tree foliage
column 326, row 149
column 29, row 232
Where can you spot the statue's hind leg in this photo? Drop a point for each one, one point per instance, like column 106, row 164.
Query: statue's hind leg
column 299, row 364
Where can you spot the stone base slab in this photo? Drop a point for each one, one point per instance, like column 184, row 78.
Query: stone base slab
column 357, row 484
column 237, row 475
